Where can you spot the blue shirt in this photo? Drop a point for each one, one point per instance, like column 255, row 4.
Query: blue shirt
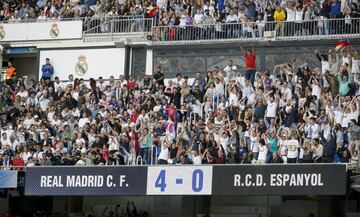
column 335, row 10
column 47, row 70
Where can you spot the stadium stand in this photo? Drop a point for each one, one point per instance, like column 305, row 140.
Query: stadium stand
column 297, row 114
column 290, row 114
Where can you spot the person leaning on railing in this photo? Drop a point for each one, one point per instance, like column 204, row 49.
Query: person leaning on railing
column 279, row 17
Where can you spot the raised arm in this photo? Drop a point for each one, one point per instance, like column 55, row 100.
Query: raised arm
column 317, row 53
column 242, row 48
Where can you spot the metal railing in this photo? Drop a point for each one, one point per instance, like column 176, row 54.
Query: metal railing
column 106, row 27
column 139, row 160
column 305, row 29
column 119, row 25
column 110, row 27
column 153, row 156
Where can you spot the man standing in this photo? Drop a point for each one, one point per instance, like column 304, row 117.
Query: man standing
column 10, row 72
column 159, row 77
column 47, row 70
column 279, row 17
column 58, row 84
column 250, row 59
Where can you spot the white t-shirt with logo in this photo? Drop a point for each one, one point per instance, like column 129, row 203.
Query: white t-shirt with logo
column 271, row 109
column 292, row 147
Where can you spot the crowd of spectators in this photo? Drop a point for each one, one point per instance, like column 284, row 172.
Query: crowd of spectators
column 303, row 17
column 56, row 10
column 251, row 18
column 293, row 113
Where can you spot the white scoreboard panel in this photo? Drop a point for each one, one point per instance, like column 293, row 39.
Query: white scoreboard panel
column 175, row 180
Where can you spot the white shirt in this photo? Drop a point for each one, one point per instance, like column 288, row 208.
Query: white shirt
column 234, row 99
column 228, row 69
column 355, row 66
column 161, row 3
column 197, row 160
column 254, row 146
column 316, row 91
column 101, row 86
column 164, row 154
column 220, row 89
column 38, row 155
column 223, row 105
column 299, row 16
column 232, row 18
column 83, row 121
column 75, row 95
column 23, row 94
column 50, row 116
column 198, row 18
column 79, row 141
column 210, row 8
column 345, row 120
column 318, row 151
column 338, row 116
column 315, row 129
column 28, row 122
column 156, row 108
column 224, row 143
column 325, row 66
column 25, row 156
column 182, row 21
column 113, row 144
column 271, row 110
column 292, row 147
column 260, row 24
column 287, row 93
column 262, row 153
column 57, row 85
column 290, row 14
column 44, row 104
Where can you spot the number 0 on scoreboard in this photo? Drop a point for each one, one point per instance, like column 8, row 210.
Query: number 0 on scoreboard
column 190, row 180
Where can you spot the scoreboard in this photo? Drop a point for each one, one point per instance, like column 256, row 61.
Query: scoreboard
column 189, row 180
column 272, row 179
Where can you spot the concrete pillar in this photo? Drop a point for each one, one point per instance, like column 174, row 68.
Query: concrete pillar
column 149, row 62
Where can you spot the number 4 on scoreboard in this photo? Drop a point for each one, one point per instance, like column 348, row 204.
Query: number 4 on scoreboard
column 160, row 181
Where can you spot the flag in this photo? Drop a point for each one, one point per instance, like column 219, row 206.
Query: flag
column 153, row 12
column 340, row 44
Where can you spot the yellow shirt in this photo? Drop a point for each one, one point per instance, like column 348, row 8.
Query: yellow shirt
column 279, row 16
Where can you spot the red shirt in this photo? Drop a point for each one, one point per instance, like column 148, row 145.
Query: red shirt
column 18, row 162
column 105, row 154
column 137, row 143
column 250, row 61
column 134, row 117
column 171, row 113
column 131, row 84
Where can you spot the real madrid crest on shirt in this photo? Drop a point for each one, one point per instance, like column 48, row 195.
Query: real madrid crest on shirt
column 81, row 66
column 2, row 32
column 54, row 31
